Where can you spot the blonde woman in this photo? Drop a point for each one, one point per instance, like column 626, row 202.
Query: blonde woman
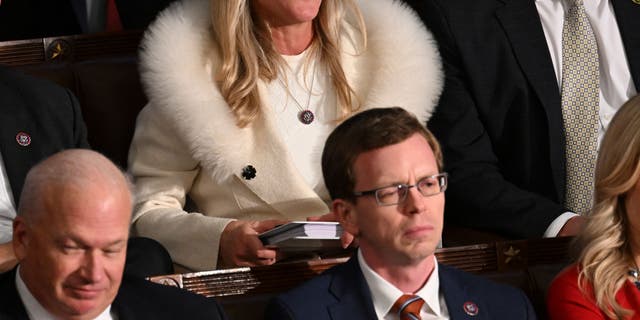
column 604, row 283
column 242, row 94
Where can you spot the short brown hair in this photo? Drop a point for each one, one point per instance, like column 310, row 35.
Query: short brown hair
column 365, row 131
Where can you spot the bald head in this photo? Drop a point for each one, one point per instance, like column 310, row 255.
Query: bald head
column 67, row 174
column 70, row 235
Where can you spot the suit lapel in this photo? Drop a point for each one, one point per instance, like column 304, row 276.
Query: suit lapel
column 628, row 17
column 352, row 294
column 456, row 296
column 522, row 26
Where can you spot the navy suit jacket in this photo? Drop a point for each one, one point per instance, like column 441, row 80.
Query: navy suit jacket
column 48, row 113
column 342, row 293
column 499, row 118
column 136, row 299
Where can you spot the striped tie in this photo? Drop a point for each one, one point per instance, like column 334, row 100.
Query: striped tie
column 407, row 307
column 580, row 106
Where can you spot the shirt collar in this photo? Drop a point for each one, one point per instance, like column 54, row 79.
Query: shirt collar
column 36, row 311
column 384, row 294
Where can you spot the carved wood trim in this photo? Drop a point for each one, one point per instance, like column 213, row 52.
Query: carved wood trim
column 482, row 258
column 69, row 48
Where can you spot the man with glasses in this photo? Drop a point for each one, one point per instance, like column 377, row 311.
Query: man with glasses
column 383, row 171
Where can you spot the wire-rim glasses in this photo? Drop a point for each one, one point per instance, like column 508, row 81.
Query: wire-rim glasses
column 396, row 194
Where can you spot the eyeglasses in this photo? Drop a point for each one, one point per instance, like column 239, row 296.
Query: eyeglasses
column 391, row 195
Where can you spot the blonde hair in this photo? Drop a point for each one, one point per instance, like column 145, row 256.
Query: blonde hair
column 606, row 254
column 248, row 54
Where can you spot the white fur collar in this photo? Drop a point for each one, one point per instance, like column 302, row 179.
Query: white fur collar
column 401, row 67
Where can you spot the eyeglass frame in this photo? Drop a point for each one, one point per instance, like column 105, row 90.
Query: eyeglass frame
column 442, row 176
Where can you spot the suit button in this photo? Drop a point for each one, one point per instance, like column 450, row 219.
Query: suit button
column 248, row 172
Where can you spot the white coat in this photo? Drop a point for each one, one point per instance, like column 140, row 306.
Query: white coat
column 186, row 140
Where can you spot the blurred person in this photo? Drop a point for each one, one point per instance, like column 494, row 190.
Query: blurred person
column 241, row 97
column 383, row 169
column 70, row 237
column 604, row 282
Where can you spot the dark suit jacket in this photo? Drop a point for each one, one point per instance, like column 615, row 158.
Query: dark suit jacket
column 136, row 299
column 342, row 293
column 137, row 14
column 26, row 19
column 51, row 116
column 47, row 112
column 499, row 118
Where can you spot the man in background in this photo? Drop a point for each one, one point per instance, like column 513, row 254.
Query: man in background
column 38, row 119
column 529, row 91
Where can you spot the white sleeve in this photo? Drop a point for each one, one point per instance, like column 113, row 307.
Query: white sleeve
column 554, row 228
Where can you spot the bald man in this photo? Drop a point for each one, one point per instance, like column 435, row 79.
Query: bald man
column 70, row 238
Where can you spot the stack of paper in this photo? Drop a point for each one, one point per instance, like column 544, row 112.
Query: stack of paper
column 303, row 235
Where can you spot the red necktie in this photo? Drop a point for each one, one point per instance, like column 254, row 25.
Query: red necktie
column 113, row 18
column 408, row 307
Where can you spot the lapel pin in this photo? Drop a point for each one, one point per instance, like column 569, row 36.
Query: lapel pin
column 470, row 308
column 23, row 139
column 248, row 172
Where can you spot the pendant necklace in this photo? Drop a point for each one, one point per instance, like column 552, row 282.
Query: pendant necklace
column 305, row 115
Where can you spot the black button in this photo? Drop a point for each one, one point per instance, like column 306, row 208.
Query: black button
column 248, row 172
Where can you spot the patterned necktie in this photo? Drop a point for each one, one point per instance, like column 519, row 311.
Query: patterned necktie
column 407, row 307
column 580, row 106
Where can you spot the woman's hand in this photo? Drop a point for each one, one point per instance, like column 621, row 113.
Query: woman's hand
column 346, row 239
column 240, row 246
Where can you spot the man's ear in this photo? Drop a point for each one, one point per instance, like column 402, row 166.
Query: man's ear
column 20, row 238
column 346, row 214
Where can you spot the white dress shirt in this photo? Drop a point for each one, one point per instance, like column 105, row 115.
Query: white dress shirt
column 616, row 85
column 7, row 207
column 384, row 294
column 36, row 311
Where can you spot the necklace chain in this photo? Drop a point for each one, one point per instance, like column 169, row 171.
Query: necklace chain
column 305, row 115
